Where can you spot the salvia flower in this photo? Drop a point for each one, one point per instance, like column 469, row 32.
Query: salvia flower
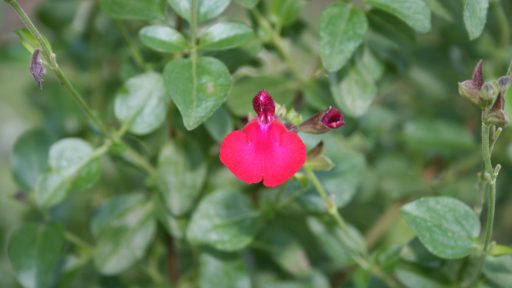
column 322, row 122
column 264, row 149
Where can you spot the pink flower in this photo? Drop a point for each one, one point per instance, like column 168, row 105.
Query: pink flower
column 264, row 149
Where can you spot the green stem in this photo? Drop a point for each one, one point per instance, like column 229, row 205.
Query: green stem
column 134, row 50
column 360, row 257
column 193, row 48
column 85, row 247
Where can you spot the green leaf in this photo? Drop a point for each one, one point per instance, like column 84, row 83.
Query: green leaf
column 34, row 251
column 475, row 16
column 331, row 239
column 285, row 12
column 499, row 270
column 355, row 92
column 134, row 9
column 446, row 226
column 286, row 251
column 248, row 3
column 163, row 39
column 207, row 9
column 198, row 92
column 29, row 41
column 240, row 98
column 73, row 166
column 182, row 169
column 29, row 157
column 414, row 13
column 225, row 35
column 342, row 29
column 219, row 125
column 224, row 220
column 439, row 9
column 500, row 250
column 141, row 104
column 437, row 135
column 222, row 270
column 413, row 276
column 124, row 228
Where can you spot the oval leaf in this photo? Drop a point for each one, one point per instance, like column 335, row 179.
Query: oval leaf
column 219, row 125
column 182, row 169
column 446, row 226
column 225, row 35
column 163, row 39
column 73, row 166
column 207, row 9
column 124, row 228
column 134, row 9
column 224, row 220
column 342, row 29
column 142, row 103
column 414, row 13
column 285, row 12
column 198, row 92
column 29, row 157
column 222, row 270
column 248, row 3
column 475, row 16
column 34, row 251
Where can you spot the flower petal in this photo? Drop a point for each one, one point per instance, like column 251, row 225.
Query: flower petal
column 261, row 151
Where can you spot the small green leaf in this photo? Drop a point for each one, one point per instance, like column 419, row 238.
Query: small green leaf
column 29, row 157
column 446, row 226
column 224, row 220
column 219, row 125
column 141, row 103
column 240, row 98
column 29, row 41
column 163, row 39
column 34, row 251
column 248, row 3
column 500, row 250
column 207, row 9
column 285, row 12
column 198, row 92
column 499, row 270
column 342, row 29
column 414, row 276
column 475, row 16
column 73, row 166
column 124, row 228
column 134, row 9
column 355, row 92
column 224, row 270
column 225, row 35
column 182, row 169
column 413, row 12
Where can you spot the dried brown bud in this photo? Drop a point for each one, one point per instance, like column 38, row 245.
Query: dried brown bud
column 470, row 91
column 478, row 76
column 36, row 67
column 322, row 122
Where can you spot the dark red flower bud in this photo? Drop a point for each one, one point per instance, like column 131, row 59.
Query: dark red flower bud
column 478, row 76
column 264, row 106
column 322, row 122
column 333, row 118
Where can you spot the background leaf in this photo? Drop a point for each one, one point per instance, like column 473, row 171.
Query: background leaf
column 342, row 29
column 447, row 227
column 224, row 220
column 133, row 9
column 219, row 125
column 163, row 39
column 207, row 9
column 413, row 12
column 197, row 95
column 29, row 157
column 285, row 12
column 141, row 104
column 475, row 16
column 34, row 251
column 225, row 270
column 124, row 228
column 225, row 35
column 182, row 169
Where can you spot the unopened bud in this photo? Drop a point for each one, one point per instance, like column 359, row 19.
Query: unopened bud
column 263, row 105
column 323, row 121
column 478, row 76
column 488, row 93
column 470, row 91
column 497, row 114
column 504, row 82
column 36, row 67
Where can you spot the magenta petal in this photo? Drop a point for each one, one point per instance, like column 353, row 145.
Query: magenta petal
column 268, row 152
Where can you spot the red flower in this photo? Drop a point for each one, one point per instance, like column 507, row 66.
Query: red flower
column 264, row 148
